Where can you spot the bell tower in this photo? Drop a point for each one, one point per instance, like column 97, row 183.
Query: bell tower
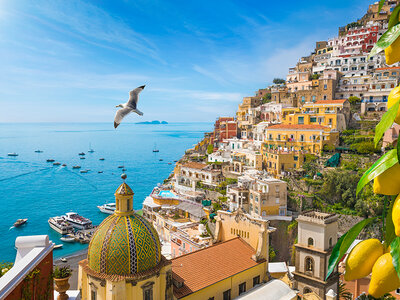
column 124, row 199
column 317, row 235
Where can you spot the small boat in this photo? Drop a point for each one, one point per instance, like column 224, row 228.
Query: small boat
column 100, row 172
column 20, row 222
column 84, row 171
column 175, row 161
column 82, row 153
column 60, row 225
column 56, row 164
column 121, row 167
column 78, row 221
column 63, row 259
column 67, row 239
column 64, row 165
column 38, row 151
column 76, row 167
column 160, row 159
column 49, row 160
column 90, row 148
column 59, row 246
column 12, row 154
column 82, row 157
column 108, row 208
column 155, row 148
column 101, row 158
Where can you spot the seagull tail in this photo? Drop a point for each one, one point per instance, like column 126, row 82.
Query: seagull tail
column 116, row 124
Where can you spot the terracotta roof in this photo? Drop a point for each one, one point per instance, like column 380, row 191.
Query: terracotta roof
column 387, row 68
column 195, row 165
column 297, row 127
column 331, row 101
column 210, row 265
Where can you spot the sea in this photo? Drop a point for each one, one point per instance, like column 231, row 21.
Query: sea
column 32, row 188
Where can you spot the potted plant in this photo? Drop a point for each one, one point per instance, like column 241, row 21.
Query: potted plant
column 61, row 276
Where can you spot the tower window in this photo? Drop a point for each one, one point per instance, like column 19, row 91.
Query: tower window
column 93, row 295
column 310, row 242
column 148, row 291
column 309, row 265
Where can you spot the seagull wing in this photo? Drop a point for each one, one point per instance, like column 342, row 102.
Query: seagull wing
column 121, row 113
column 134, row 97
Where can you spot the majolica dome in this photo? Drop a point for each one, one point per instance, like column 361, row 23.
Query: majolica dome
column 124, row 243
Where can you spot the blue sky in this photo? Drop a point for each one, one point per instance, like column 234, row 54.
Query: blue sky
column 73, row 61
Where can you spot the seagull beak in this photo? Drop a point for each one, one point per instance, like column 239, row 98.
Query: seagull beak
column 141, row 87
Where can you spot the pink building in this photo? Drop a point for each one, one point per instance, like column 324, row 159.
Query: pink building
column 188, row 239
column 391, row 135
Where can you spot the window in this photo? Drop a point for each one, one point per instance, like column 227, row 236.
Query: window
column 242, row 288
column 325, row 86
column 309, row 264
column 330, row 242
column 227, row 295
column 310, row 242
column 93, row 295
column 313, row 98
column 148, row 291
column 256, row 280
column 325, row 97
column 313, row 119
column 301, row 120
column 302, row 138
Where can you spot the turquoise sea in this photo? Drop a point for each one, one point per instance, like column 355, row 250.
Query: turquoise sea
column 34, row 189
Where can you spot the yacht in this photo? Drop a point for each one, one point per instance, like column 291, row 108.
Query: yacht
column 60, row 225
column 121, row 167
column 82, row 153
column 76, row 167
column 49, row 160
column 84, row 171
column 155, row 148
column 20, row 222
column 108, row 208
column 90, row 148
column 101, row 158
column 12, row 154
column 67, row 239
column 56, row 164
column 77, row 221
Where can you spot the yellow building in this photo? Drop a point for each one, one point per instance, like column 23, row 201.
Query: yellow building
column 330, row 113
column 301, row 137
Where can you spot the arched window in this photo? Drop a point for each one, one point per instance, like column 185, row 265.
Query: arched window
column 330, row 242
column 310, row 242
column 307, row 290
column 309, row 264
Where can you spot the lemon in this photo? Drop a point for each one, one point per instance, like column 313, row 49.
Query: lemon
column 394, row 96
column 388, row 183
column 396, row 215
column 392, row 52
column 361, row 259
column 384, row 278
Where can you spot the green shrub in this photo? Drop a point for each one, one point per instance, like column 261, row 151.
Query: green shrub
column 62, row 272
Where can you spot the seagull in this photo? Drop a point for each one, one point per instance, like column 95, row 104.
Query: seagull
column 128, row 107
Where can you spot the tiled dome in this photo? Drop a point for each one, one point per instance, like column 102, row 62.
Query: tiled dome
column 124, row 245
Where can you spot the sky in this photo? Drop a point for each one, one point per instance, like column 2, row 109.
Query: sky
column 75, row 60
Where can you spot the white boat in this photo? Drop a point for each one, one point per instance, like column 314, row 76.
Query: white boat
column 12, row 154
column 59, row 246
column 77, row 221
column 90, row 148
column 108, row 208
column 60, row 225
column 67, row 239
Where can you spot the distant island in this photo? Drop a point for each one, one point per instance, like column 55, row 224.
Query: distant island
column 156, row 122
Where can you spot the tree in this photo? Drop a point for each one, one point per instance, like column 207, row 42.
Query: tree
column 267, row 98
column 272, row 254
column 343, row 292
column 210, row 149
column 315, row 76
column 354, row 100
column 279, row 81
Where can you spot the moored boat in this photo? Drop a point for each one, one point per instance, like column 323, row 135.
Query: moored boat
column 38, row 151
column 12, row 154
column 100, row 172
column 67, row 239
column 76, row 167
column 108, row 208
column 64, row 165
column 60, row 225
column 20, row 222
column 49, row 160
column 82, row 153
column 59, row 246
column 56, row 164
column 84, row 171
column 101, row 158
column 121, row 167
column 77, row 221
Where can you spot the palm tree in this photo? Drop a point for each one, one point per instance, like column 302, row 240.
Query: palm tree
column 343, row 292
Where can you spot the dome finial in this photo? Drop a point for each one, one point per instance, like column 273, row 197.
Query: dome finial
column 123, row 176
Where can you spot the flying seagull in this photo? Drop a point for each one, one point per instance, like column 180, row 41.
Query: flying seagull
column 128, row 107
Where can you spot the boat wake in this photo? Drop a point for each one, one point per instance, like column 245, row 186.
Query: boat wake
column 24, row 174
column 11, row 227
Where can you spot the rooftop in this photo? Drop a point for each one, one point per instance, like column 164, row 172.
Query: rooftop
column 297, row 127
column 209, row 265
column 195, row 165
column 318, row 217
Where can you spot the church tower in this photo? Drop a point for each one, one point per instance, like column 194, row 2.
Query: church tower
column 317, row 235
column 124, row 257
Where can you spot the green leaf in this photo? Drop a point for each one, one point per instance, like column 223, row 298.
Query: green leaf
column 390, row 233
column 381, row 165
column 381, row 2
column 386, row 122
column 344, row 243
column 395, row 252
column 394, row 17
column 398, row 147
column 385, row 40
